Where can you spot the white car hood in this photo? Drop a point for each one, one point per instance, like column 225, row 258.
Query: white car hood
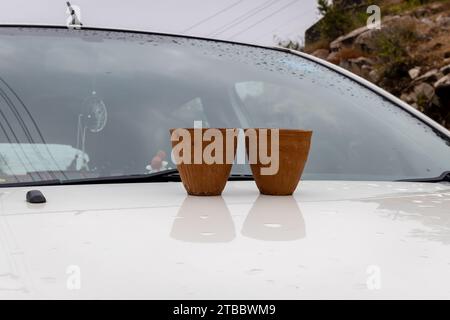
column 151, row 241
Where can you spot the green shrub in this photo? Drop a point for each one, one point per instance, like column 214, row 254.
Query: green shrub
column 391, row 52
column 392, row 46
column 338, row 20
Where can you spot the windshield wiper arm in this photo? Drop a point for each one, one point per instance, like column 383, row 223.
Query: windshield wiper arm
column 445, row 176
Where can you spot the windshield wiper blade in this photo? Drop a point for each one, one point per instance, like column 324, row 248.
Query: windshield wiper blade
column 240, row 177
column 445, row 176
column 52, row 182
column 161, row 176
column 170, row 175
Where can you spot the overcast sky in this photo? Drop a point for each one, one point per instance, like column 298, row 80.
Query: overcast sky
column 255, row 21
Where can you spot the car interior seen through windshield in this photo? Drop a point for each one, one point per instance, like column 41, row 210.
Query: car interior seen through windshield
column 79, row 104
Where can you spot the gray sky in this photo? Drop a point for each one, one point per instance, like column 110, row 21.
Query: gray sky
column 255, row 21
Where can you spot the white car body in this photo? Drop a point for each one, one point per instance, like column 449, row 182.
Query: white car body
column 332, row 239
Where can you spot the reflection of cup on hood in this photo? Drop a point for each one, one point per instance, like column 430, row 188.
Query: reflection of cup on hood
column 203, row 219
column 274, row 219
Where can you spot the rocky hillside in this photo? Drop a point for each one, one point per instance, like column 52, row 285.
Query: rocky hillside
column 409, row 56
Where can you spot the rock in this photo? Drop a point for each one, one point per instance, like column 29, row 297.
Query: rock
column 414, row 72
column 365, row 71
column 344, row 64
column 321, row 53
column 355, row 69
column 347, row 40
column 333, row 57
column 436, row 7
column 424, row 89
column 374, row 76
column 442, row 21
column 364, row 41
column 445, row 69
column 427, row 21
column 443, row 82
column 408, row 97
column 447, row 54
column 360, row 61
column 336, row 45
column 430, row 76
column 357, row 65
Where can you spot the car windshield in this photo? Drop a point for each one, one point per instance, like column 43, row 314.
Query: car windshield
column 78, row 104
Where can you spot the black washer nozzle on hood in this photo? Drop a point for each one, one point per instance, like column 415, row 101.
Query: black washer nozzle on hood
column 35, row 196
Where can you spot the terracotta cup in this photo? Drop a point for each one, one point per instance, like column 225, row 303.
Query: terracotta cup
column 293, row 150
column 205, row 178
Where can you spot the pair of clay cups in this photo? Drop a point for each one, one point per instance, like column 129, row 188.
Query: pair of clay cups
column 205, row 164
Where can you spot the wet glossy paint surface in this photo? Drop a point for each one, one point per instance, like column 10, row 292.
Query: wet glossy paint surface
column 153, row 241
